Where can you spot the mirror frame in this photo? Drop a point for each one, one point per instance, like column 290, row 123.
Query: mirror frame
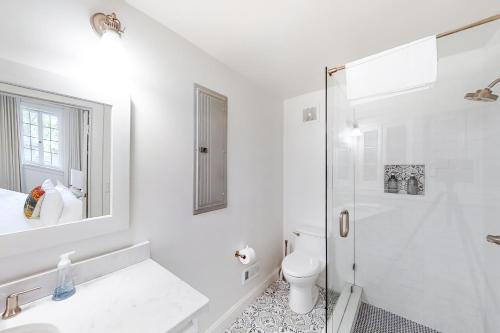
column 23, row 80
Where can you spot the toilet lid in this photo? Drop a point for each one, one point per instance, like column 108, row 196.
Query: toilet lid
column 300, row 265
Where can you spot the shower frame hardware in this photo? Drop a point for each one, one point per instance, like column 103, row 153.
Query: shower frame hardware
column 334, row 70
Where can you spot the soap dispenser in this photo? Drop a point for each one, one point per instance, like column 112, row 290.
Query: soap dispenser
column 65, row 287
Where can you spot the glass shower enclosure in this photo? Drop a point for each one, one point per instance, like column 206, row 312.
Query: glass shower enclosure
column 413, row 196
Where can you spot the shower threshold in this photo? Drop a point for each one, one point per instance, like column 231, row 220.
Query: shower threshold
column 346, row 310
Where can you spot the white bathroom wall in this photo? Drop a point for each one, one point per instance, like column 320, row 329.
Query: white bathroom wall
column 164, row 68
column 200, row 249
column 303, row 164
column 304, row 182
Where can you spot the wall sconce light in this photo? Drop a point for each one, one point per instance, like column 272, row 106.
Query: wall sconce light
column 109, row 55
column 102, row 23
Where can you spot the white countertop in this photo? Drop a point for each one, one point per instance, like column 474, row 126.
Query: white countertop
column 144, row 297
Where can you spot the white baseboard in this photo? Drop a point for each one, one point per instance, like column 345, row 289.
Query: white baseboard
column 221, row 324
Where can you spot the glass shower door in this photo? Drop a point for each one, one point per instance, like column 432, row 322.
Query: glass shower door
column 341, row 143
column 419, row 174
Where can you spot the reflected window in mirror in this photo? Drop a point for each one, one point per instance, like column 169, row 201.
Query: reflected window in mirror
column 55, row 160
column 40, row 132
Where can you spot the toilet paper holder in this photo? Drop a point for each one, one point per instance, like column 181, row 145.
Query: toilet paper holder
column 237, row 254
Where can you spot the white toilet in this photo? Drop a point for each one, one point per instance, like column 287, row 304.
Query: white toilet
column 303, row 267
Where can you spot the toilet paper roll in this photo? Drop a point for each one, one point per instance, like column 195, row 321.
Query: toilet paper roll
column 249, row 254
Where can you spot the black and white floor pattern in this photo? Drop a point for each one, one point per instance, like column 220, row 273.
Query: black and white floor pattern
column 375, row 320
column 270, row 313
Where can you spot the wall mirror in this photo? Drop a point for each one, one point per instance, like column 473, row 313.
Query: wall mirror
column 64, row 158
column 56, row 162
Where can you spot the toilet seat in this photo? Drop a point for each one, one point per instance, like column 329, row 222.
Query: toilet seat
column 301, row 265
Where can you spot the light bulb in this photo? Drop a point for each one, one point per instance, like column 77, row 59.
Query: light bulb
column 356, row 131
column 111, row 51
column 112, row 62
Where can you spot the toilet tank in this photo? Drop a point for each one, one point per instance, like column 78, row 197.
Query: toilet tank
column 311, row 240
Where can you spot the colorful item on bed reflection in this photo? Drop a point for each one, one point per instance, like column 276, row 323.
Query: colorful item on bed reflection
column 33, row 203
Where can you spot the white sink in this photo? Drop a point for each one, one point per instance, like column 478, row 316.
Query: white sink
column 32, row 328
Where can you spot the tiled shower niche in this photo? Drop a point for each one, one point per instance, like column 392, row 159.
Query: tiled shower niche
column 402, row 172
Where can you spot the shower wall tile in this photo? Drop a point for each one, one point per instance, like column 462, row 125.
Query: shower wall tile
column 403, row 173
column 417, row 256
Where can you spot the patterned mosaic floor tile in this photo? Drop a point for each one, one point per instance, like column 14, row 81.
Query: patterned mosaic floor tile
column 270, row 313
column 375, row 320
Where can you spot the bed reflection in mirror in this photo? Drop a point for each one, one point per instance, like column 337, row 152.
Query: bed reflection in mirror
column 54, row 161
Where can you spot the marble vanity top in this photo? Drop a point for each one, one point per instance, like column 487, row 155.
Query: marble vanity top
column 144, row 297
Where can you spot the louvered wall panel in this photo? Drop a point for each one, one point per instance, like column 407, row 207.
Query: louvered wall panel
column 210, row 184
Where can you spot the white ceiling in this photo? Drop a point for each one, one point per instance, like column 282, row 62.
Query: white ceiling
column 284, row 45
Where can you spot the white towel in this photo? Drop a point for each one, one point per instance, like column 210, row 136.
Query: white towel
column 400, row 70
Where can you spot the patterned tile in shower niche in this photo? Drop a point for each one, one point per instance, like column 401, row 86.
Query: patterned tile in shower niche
column 404, row 179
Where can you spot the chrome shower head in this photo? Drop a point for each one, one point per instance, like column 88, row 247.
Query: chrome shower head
column 483, row 95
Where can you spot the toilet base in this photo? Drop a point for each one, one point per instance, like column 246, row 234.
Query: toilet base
column 302, row 299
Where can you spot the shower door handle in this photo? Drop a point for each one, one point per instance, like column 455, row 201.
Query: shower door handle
column 493, row 239
column 344, row 223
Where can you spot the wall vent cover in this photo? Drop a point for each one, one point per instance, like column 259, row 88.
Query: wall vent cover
column 310, row 114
